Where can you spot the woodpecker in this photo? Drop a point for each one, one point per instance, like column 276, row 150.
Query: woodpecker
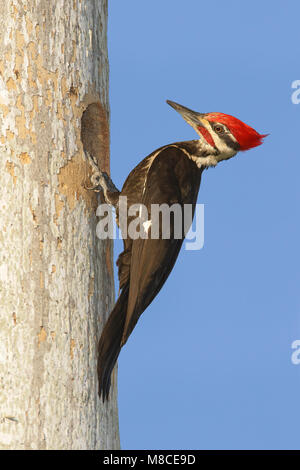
column 170, row 174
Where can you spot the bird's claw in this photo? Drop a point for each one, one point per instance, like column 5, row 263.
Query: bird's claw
column 99, row 179
column 96, row 174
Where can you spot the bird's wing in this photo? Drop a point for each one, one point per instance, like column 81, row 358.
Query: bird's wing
column 173, row 178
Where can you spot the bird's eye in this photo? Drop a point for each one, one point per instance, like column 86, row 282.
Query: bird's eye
column 218, row 129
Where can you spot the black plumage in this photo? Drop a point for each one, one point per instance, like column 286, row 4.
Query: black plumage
column 168, row 176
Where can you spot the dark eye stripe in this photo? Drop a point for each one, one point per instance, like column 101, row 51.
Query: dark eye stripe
column 226, row 136
column 230, row 142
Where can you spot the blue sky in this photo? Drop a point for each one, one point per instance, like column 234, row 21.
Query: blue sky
column 209, row 364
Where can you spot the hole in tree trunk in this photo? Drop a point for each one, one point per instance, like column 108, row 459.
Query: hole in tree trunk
column 95, row 134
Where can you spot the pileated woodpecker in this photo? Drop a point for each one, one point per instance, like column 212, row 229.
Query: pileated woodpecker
column 168, row 175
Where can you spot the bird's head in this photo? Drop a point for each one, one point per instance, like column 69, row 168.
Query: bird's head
column 222, row 135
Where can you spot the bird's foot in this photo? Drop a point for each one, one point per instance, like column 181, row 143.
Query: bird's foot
column 101, row 181
column 96, row 173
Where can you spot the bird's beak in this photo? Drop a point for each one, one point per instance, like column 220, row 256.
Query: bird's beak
column 191, row 117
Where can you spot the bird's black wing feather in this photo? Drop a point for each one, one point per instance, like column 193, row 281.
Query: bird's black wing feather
column 145, row 265
column 173, row 178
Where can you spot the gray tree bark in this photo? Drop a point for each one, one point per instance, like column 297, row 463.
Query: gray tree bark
column 56, row 277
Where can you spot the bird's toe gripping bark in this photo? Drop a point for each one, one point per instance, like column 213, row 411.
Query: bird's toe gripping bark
column 102, row 182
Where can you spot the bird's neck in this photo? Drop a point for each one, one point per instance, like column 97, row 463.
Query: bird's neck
column 200, row 152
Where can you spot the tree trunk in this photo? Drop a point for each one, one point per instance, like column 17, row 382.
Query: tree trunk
column 56, row 277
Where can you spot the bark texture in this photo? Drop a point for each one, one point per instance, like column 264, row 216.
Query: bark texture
column 56, row 277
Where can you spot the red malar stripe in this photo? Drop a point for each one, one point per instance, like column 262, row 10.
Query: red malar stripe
column 205, row 133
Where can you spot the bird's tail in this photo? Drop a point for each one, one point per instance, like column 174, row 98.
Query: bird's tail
column 110, row 343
